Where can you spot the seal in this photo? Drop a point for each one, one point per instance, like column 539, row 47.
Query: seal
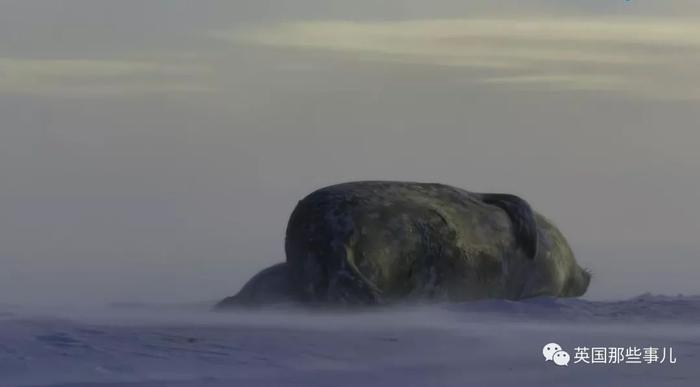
column 381, row 242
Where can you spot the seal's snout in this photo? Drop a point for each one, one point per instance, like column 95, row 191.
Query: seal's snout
column 577, row 285
column 586, row 281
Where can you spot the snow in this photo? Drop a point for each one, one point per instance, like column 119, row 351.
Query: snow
column 485, row 343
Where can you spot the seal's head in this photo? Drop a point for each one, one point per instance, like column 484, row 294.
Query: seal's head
column 545, row 264
column 553, row 270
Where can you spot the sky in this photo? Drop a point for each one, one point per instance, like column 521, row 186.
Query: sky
column 153, row 150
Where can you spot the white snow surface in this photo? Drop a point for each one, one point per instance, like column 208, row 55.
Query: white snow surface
column 484, row 343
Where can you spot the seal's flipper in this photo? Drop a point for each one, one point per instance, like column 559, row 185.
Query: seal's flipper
column 522, row 218
column 349, row 285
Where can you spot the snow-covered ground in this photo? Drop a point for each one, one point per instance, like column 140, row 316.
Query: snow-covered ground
column 487, row 343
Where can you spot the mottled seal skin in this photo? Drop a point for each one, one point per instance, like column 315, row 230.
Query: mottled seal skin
column 380, row 242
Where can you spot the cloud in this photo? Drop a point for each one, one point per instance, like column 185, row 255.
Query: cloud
column 82, row 77
column 644, row 57
column 563, row 81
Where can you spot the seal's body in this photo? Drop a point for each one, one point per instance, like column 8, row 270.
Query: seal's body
column 377, row 242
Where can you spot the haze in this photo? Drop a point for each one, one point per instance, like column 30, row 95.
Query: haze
column 153, row 150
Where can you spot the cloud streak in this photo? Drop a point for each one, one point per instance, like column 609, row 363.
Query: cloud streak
column 82, row 77
column 643, row 57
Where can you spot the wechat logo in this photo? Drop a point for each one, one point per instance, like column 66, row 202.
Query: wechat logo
column 553, row 352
